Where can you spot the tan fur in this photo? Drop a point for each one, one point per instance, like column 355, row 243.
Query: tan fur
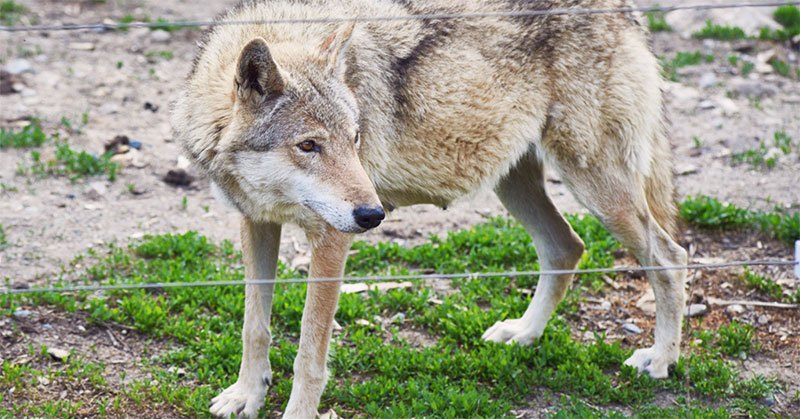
column 443, row 108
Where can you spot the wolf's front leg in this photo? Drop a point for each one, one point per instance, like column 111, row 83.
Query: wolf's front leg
column 260, row 243
column 329, row 252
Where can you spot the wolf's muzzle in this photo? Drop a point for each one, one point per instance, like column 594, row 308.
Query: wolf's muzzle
column 368, row 217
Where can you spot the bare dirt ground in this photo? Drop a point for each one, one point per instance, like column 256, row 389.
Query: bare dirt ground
column 111, row 76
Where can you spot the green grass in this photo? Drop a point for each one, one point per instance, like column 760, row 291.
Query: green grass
column 710, row 213
column 769, row 288
column 30, row 136
column 10, row 11
column 3, row 238
column 72, row 163
column 789, row 18
column 374, row 371
column 761, row 157
column 720, row 32
column 683, row 59
column 159, row 23
column 656, row 21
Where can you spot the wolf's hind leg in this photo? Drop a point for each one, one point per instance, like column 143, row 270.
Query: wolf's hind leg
column 260, row 243
column 616, row 194
column 523, row 194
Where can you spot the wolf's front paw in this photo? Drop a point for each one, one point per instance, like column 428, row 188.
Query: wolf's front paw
column 512, row 331
column 242, row 400
column 649, row 361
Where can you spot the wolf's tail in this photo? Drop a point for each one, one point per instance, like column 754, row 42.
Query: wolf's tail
column 659, row 186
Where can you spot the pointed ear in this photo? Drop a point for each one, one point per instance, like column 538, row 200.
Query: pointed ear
column 257, row 74
column 334, row 49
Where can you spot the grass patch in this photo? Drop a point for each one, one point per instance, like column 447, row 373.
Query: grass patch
column 10, row 12
column 720, row 32
column 657, row 22
column 763, row 156
column 710, row 213
column 30, row 136
column 769, row 288
column 683, row 59
column 3, row 238
column 73, row 164
column 374, row 371
column 787, row 16
column 158, row 23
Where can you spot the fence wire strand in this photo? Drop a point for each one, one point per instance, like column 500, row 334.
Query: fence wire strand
column 388, row 278
column 423, row 16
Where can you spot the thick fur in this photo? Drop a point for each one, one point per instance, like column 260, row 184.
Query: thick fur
column 429, row 111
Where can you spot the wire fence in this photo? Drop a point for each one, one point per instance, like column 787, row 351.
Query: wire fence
column 389, row 18
column 388, row 278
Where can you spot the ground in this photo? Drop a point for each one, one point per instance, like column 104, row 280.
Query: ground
column 92, row 86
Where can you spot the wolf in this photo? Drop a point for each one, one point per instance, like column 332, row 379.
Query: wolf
column 332, row 125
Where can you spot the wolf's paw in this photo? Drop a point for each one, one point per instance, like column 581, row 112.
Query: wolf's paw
column 242, row 400
column 649, row 361
column 512, row 331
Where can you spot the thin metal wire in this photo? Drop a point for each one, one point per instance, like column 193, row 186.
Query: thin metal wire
column 387, row 278
column 428, row 16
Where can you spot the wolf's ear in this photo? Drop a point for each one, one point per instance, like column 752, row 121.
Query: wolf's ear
column 257, row 74
column 334, row 49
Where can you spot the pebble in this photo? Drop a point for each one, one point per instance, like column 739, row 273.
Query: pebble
column 752, row 88
column 81, row 46
column 605, row 306
column 135, row 144
column 398, row 318
column 696, row 310
column 160, row 35
column 707, row 80
column 707, row 104
column 735, row 309
column 59, row 354
column 19, row 66
column 21, row 314
column 684, row 169
column 631, row 328
column 763, row 319
column 178, row 177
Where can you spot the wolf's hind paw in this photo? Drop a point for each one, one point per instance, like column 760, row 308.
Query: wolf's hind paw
column 511, row 331
column 240, row 400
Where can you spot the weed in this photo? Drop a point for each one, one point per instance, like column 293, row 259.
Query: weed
column 30, row 136
column 3, row 239
column 763, row 156
column 781, row 67
column 683, row 59
column 10, row 11
column 747, row 68
column 710, row 213
column 75, row 164
column 720, row 32
column 184, row 203
column 153, row 56
column 697, row 142
column 787, row 16
column 131, row 188
column 736, row 339
column 657, row 22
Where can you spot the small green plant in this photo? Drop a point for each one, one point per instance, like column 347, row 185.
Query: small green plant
column 697, row 142
column 30, row 136
column 75, row 164
column 762, row 284
column 184, row 203
column 736, row 339
column 153, row 56
column 747, row 68
column 10, row 11
column 762, row 156
column 720, row 32
column 683, row 59
column 710, row 213
column 781, row 67
column 656, row 21
column 3, row 239
column 787, row 16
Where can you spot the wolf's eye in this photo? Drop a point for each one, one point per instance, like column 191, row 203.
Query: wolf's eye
column 308, row 146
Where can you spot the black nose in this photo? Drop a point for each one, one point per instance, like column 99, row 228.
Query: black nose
column 368, row 217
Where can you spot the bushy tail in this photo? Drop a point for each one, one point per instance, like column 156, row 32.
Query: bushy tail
column 659, row 186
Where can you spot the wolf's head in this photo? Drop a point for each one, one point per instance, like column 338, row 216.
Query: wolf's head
column 288, row 150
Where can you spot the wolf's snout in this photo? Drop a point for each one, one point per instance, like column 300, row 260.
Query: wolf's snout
column 369, row 217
